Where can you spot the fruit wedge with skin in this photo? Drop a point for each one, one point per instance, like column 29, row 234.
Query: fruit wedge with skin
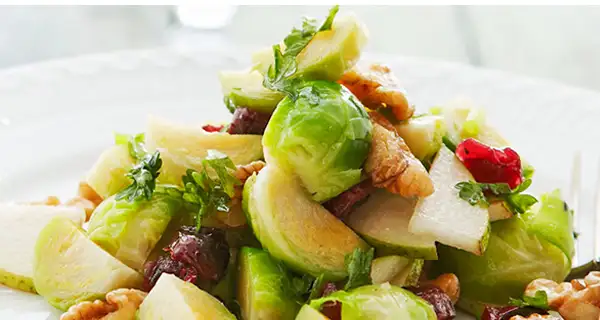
column 245, row 88
column 173, row 298
column 446, row 217
column 383, row 222
column 295, row 229
column 309, row 313
column 107, row 176
column 184, row 146
column 397, row 270
column 69, row 268
column 264, row 287
column 423, row 135
column 328, row 55
column 21, row 225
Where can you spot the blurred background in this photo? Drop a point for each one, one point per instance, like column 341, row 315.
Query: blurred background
column 557, row 43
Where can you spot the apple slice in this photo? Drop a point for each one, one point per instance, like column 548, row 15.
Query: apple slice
column 445, row 216
column 383, row 222
column 183, row 146
column 397, row 270
column 69, row 268
column 21, row 225
column 173, row 298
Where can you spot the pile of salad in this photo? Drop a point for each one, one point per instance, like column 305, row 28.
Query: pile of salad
column 325, row 197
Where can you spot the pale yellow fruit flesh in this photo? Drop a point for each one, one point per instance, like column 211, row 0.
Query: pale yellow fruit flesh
column 21, row 225
column 309, row 313
column 184, row 146
column 173, row 298
column 107, row 175
column 70, row 268
column 444, row 215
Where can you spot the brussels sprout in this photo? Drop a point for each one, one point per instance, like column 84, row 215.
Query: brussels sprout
column 246, row 89
column 130, row 230
column 173, row 298
column 382, row 301
column 294, row 228
column 520, row 249
column 265, row 289
column 309, row 313
column 69, row 268
column 323, row 137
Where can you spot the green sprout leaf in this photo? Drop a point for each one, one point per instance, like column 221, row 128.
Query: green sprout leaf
column 212, row 189
column 358, row 265
column 279, row 77
column 475, row 194
column 539, row 300
column 317, row 287
column 144, row 173
column 449, row 143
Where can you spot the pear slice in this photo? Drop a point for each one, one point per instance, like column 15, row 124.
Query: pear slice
column 383, row 222
column 183, row 146
column 173, row 298
column 69, row 268
column 397, row 270
column 107, row 176
column 309, row 313
column 446, row 217
column 21, row 225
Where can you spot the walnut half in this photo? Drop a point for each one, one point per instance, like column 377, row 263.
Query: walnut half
column 376, row 87
column 120, row 304
column 575, row 300
column 392, row 166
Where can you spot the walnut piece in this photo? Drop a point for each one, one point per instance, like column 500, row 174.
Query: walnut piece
column 120, row 304
column 243, row 172
column 86, row 198
column 448, row 282
column 377, row 87
column 535, row 316
column 575, row 300
column 391, row 165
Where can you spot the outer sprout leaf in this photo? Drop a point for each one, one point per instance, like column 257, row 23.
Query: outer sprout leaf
column 317, row 287
column 358, row 265
column 329, row 21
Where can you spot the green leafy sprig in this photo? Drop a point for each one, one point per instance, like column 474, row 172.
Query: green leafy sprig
column 143, row 175
column 358, row 266
column 539, row 300
column 475, row 194
column 279, row 77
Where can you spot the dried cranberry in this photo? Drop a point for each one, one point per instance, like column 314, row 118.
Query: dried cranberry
column 248, row 121
column 331, row 309
column 342, row 205
column 507, row 312
column 212, row 128
column 206, row 251
column 490, row 165
column 442, row 305
column 164, row 264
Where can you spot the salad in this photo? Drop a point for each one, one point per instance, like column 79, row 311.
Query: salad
column 327, row 196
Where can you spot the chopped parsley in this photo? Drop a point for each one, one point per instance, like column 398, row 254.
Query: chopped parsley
column 144, row 173
column 539, row 300
column 358, row 266
column 475, row 194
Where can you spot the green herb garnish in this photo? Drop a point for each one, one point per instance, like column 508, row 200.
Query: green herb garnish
column 475, row 194
column 144, row 173
column 358, row 266
column 539, row 300
column 212, row 189
column 449, row 143
column 279, row 77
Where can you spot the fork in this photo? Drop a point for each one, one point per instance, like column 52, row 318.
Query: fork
column 581, row 270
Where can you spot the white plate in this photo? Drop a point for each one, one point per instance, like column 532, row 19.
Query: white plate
column 56, row 118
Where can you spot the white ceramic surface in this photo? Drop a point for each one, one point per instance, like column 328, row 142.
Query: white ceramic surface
column 56, row 118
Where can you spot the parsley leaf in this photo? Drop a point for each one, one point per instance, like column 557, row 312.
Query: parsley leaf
column 207, row 192
column 539, row 300
column 144, row 173
column 358, row 266
column 474, row 194
column 449, row 143
column 279, row 77
column 317, row 287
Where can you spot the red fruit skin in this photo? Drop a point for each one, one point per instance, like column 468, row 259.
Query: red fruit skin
column 212, row 128
column 490, row 165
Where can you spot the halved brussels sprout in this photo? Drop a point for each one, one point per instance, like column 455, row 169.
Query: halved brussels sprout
column 379, row 302
column 294, row 228
column 323, row 136
column 518, row 252
column 265, row 290
column 130, row 230
column 245, row 88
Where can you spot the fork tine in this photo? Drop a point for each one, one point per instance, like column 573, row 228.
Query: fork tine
column 575, row 194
